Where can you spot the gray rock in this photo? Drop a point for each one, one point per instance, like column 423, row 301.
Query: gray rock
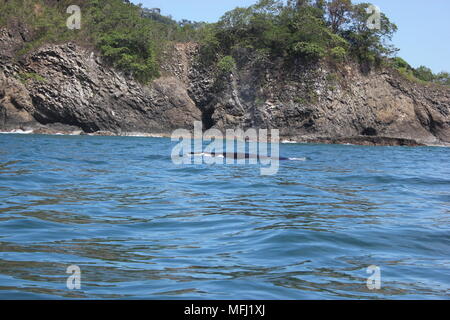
column 66, row 84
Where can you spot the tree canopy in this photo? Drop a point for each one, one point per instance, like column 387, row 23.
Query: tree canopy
column 305, row 28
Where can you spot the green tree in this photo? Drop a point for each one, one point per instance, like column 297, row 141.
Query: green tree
column 423, row 73
column 369, row 45
column 338, row 13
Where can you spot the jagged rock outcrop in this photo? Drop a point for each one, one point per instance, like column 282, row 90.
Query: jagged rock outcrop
column 70, row 85
column 325, row 104
column 69, row 88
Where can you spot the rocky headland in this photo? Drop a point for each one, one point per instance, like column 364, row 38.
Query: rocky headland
column 67, row 88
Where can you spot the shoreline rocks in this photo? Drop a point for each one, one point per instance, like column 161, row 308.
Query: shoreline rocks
column 68, row 89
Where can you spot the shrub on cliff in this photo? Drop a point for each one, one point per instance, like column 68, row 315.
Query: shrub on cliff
column 130, row 54
column 226, row 65
column 309, row 51
column 124, row 38
column 338, row 53
column 398, row 63
column 423, row 73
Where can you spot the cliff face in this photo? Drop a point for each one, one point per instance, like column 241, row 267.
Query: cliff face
column 325, row 104
column 68, row 88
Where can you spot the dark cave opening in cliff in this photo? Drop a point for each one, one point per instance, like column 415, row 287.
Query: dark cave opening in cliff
column 371, row 132
column 207, row 119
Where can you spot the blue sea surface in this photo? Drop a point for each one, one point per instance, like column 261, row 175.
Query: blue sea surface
column 139, row 226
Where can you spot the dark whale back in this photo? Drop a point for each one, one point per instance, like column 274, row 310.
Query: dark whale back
column 236, row 155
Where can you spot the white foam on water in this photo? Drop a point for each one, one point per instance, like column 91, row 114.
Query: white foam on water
column 17, row 131
column 297, row 159
column 142, row 134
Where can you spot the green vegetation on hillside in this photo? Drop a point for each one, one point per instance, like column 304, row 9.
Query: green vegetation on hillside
column 420, row 74
column 306, row 29
column 133, row 38
column 128, row 36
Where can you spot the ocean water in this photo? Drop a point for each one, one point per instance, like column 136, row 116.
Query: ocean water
column 139, row 226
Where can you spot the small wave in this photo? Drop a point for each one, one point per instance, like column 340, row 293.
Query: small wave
column 142, row 134
column 17, row 131
column 297, row 159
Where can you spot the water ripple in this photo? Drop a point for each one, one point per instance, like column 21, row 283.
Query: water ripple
column 141, row 227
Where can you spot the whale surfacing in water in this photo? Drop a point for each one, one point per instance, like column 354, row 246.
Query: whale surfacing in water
column 236, row 155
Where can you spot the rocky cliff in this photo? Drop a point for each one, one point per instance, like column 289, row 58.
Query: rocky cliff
column 67, row 88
